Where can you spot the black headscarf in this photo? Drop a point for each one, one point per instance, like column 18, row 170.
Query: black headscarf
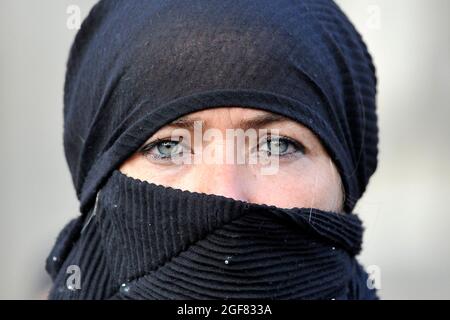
column 138, row 65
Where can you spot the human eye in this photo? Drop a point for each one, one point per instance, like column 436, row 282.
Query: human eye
column 165, row 150
column 281, row 146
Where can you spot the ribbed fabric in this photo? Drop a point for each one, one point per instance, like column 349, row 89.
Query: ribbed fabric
column 87, row 254
column 156, row 242
column 135, row 66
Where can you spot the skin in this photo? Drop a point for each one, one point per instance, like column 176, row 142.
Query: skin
column 303, row 179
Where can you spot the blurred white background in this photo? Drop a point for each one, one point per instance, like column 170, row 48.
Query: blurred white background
column 404, row 209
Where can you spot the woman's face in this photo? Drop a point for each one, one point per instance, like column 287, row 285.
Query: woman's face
column 278, row 162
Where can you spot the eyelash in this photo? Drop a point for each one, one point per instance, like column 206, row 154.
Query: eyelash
column 146, row 149
column 299, row 147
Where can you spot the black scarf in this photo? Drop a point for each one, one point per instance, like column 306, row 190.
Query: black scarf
column 146, row 241
column 138, row 65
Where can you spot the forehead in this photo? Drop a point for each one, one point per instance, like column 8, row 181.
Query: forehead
column 233, row 117
column 229, row 110
column 245, row 118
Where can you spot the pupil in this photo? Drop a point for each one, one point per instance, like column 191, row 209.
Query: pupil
column 167, row 147
column 277, row 146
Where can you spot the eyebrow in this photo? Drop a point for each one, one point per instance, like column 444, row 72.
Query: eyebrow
column 255, row 122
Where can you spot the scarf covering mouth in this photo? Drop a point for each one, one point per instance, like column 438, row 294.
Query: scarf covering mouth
column 134, row 67
column 147, row 241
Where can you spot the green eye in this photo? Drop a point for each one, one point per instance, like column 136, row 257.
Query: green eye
column 167, row 149
column 280, row 146
column 277, row 146
column 164, row 149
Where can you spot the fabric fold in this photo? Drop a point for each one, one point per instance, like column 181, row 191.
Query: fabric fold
column 159, row 242
column 136, row 66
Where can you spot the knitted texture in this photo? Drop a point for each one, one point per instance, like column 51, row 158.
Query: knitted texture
column 138, row 65
column 134, row 67
column 147, row 241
